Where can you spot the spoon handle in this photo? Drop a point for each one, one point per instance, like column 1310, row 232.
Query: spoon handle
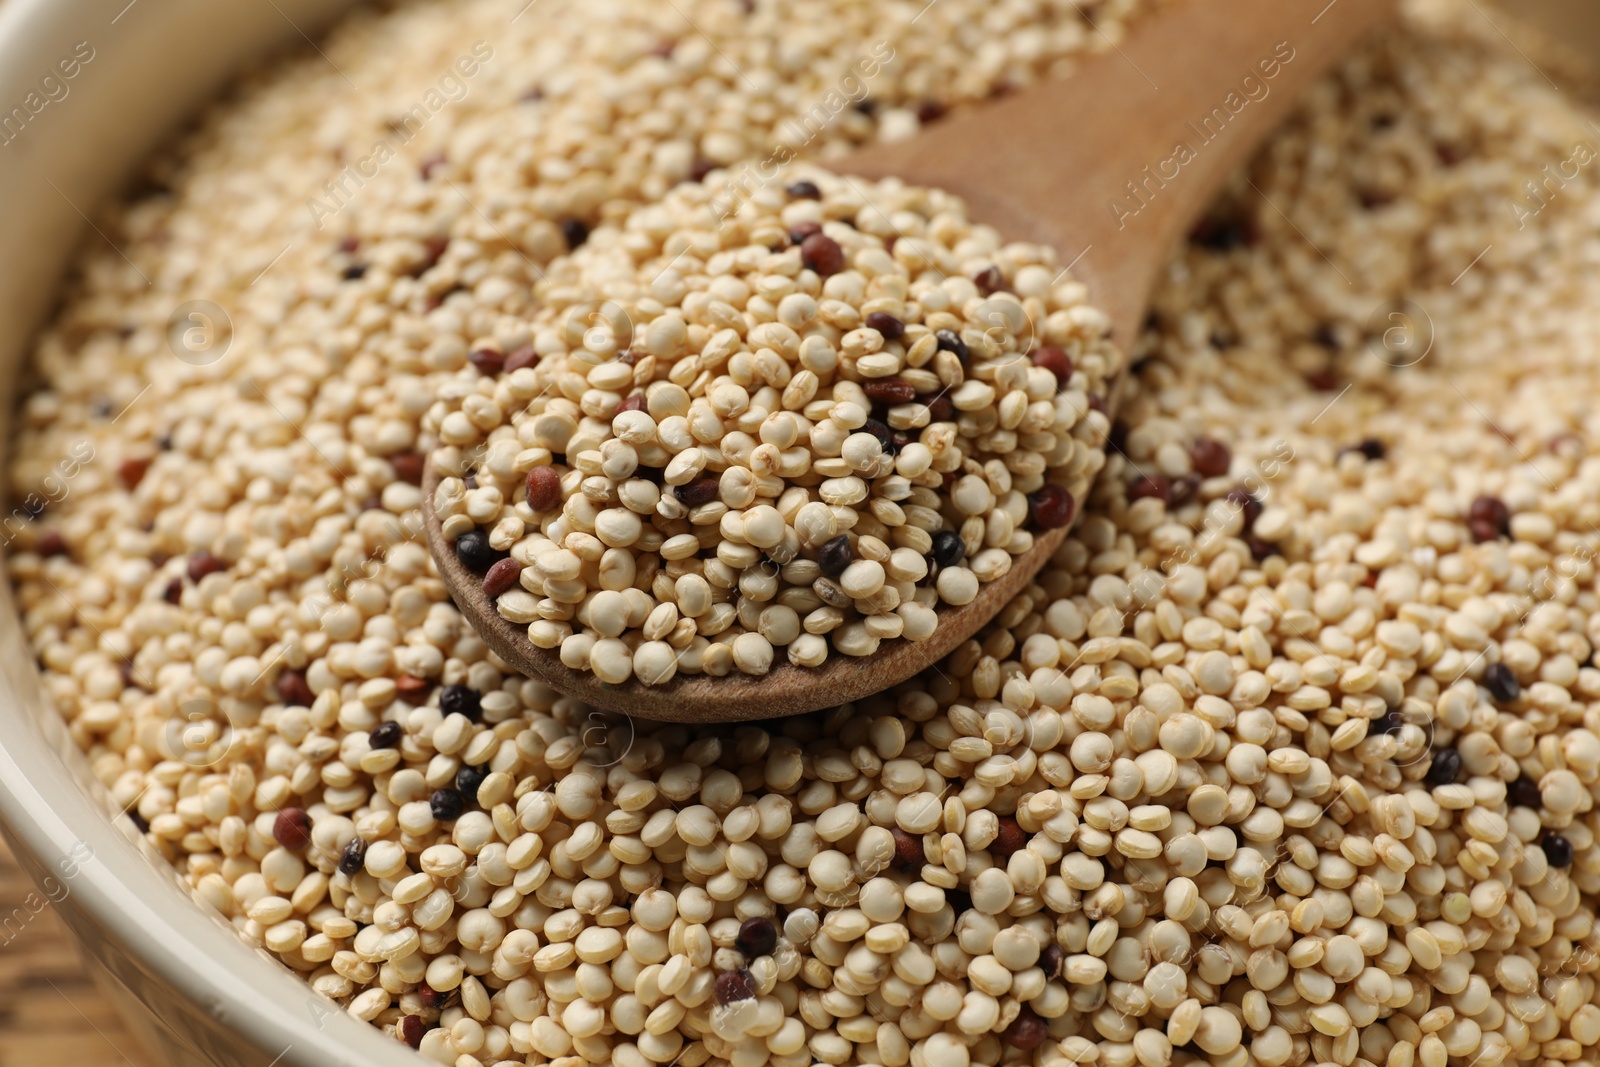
column 1158, row 122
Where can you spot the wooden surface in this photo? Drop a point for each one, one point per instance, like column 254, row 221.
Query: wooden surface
column 51, row 1012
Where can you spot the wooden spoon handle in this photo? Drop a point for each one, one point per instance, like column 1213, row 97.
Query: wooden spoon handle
column 1157, row 123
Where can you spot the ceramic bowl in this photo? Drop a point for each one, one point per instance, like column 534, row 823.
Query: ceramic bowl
column 87, row 89
column 192, row 990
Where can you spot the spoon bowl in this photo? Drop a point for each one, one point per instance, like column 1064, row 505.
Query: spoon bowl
column 784, row 690
column 1110, row 167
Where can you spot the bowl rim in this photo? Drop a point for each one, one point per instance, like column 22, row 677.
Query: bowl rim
column 211, row 991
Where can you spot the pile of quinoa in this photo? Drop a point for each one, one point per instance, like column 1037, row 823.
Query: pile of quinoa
column 802, row 425
column 1289, row 756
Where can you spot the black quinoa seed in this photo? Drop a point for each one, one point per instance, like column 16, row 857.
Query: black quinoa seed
column 1524, row 793
column 947, row 548
column 757, row 937
column 460, row 700
column 353, row 856
column 882, row 432
column 469, row 779
column 386, row 735
column 1501, row 682
column 576, row 231
column 804, row 190
column 1558, row 850
column 950, row 341
column 1445, row 768
column 835, row 555
column 472, row 549
column 447, row 804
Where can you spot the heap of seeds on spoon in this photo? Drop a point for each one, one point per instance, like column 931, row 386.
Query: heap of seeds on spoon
column 792, row 428
column 1291, row 758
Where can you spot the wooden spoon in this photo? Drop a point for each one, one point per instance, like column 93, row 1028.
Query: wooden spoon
column 1111, row 167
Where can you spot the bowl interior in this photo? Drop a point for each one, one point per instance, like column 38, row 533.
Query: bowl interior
column 87, row 89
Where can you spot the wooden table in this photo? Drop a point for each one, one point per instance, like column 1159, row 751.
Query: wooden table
column 51, row 1012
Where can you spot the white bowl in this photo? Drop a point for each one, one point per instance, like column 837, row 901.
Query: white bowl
column 193, row 990
column 181, row 977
